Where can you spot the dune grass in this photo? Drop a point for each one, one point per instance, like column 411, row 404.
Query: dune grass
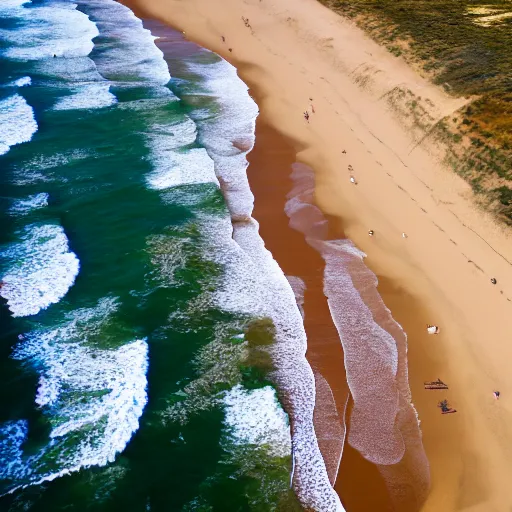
column 466, row 47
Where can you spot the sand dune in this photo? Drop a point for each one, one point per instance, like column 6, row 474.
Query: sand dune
column 295, row 50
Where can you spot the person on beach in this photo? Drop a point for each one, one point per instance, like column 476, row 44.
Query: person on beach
column 306, row 116
column 353, row 180
column 344, row 151
column 404, row 235
column 223, row 39
column 432, row 329
column 496, row 395
column 493, row 281
column 370, row 232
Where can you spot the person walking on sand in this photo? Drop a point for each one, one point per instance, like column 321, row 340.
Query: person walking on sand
column 306, row 116
column 496, row 395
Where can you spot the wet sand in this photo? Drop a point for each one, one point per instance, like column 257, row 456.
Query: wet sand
column 270, row 167
column 359, row 483
column 441, row 273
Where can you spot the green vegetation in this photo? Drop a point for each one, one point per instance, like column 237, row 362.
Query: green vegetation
column 465, row 46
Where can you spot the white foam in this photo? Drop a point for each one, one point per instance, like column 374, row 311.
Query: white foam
column 228, row 134
column 132, row 54
column 21, row 82
column 173, row 168
column 87, row 96
column 46, row 31
column 167, row 255
column 12, row 436
column 17, row 123
column 60, row 72
column 7, row 7
column 256, row 417
column 371, row 359
column 167, row 136
column 31, row 203
column 40, row 269
column 39, row 169
column 92, row 397
column 254, row 284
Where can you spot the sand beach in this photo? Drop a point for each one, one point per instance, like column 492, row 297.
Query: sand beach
column 298, row 56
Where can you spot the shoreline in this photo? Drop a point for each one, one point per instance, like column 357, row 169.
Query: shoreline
column 468, row 452
column 359, row 483
column 290, row 345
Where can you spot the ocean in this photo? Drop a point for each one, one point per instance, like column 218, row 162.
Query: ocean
column 149, row 343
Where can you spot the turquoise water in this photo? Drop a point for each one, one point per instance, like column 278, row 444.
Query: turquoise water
column 132, row 373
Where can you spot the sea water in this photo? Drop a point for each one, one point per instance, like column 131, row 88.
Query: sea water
column 147, row 338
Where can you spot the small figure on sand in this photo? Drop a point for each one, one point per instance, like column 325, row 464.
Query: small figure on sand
column 246, row 22
column 493, row 281
column 353, row 180
column 350, row 168
column 370, row 232
column 404, row 235
column 432, row 329
column 306, row 116
column 445, row 408
column 223, row 39
column 496, row 395
column 344, row 151
column 230, row 49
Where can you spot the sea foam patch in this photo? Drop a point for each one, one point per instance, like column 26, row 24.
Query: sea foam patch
column 131, row 54
column 54, row 30
column 17, row 123
column 28, row 204
column 40, row 269
column 7, row 7
column 20, row 82
column 227, row 133
column 93, row 95
column 174, row 168
column 91, row 397
column 256, row 417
